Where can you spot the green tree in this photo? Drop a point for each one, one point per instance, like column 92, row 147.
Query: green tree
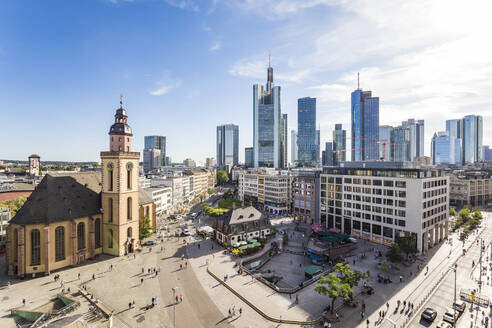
column 333, row 287
column 348, row 275
column 406, row 245
column 14, row 204
column 210, row 191
column 222, row 177
column 144, row 228
column 394, row 253
column 452, row 212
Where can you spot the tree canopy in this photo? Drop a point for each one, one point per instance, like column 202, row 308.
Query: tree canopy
column 222, row 177
column 144, row 229
column 14, row 204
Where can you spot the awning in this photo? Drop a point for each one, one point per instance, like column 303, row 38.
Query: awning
column 313, row 269
column 335, row 230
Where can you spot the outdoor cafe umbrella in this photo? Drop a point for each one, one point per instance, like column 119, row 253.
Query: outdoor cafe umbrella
column 252, row 241
column 243, row 243
column 256, row 244
column 235, row 244
column 243, row 247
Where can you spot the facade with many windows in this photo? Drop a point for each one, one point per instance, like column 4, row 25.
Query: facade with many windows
column 269, row 189
column 382, row 204
column 305, row 195
column 471, row 187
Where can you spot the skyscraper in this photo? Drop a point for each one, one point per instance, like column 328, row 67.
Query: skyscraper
column 283, row 141
column 293, row 146
column 364, row 125
column 157, row 142
column 266, row 124
column 472, row 139
column 327, row 155
column 227, row 145
column 443, row 147
column 339, row 145
column 307, row 136
column 384, row 145
column 151, row 159
column 248, row 157
column 470, row 130
column 400, row 138
column 416, row 131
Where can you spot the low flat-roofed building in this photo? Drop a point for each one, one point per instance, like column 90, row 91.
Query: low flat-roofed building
column 470, row 187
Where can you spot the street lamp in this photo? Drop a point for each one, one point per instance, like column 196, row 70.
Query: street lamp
column 455, row 268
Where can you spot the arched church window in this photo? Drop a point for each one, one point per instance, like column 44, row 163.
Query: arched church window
column 59, row 243
column 35, row 247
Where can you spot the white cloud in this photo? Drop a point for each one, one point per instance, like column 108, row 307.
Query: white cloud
column 425, row 59
column 215, row 46
column 183, row 4
column 165, row 85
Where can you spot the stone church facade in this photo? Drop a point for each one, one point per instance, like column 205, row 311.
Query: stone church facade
column 74, row 217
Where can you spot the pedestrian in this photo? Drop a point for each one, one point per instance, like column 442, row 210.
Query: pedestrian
column 186, row 264
column 152, row 301
column 367, row 321
column 129, row 305
column 387, row 305
column 141, row 281
column 401, row 278
column 233, row 310
column 230, row 312
column 177, row 299
column 180, row 266
column 181, row 298
column 198, row 246
column 79, row 275
column 280, row 318
column 133, row 303
column 24, row 301
column 240, row 311
column 337, row 316
column 362, row 315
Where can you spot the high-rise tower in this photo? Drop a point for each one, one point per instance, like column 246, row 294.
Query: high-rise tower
column 267, row 124
column 120, row 188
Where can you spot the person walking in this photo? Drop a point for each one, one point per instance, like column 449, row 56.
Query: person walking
column 129, row 305
column 141, row 281
column 240, row 311
column 24, row 302
column 181, row 298
column 79, row 275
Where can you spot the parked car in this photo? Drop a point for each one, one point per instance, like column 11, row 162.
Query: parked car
column 185, row 232
column 444, row 324
column 449, row 316
column 149, row 243
column 429, row 314
column 459, row 306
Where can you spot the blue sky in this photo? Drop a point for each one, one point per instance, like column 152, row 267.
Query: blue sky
column 186, row 66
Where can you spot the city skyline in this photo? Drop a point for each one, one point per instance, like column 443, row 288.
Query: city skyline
column 90, row 62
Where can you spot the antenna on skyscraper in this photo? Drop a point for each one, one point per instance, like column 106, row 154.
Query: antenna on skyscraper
column 358, row 83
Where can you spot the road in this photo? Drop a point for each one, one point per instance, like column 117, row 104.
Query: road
column 443, row 297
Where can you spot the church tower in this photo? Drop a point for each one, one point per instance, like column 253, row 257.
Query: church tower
column 119, row 198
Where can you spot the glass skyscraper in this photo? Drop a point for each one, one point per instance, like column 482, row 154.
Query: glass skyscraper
column 327, row 155
column 157, row 142
column 267, row 124
column 384, row 146
column 283, row 140
column 227, row 145
column 400, row 138
column 248, row 157
column 307, row 136
column 364, row 125
column 293, row 146
column 416, row 144
column 339, row 145
column 445, row 149
column 470, row 130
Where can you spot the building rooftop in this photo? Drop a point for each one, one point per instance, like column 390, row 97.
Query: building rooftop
column 58, row 198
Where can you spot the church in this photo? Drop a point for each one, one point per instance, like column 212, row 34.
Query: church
column 72, row 217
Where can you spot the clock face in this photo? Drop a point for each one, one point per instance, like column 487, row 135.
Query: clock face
column 129, row 166
column 110, row 165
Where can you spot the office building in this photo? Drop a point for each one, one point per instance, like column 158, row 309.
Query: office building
column 157, row 142
column 305, row 195
column 384, row 145
column 267, row 124
column 293, row 147
column 189, row 163
column 249, row 157
column 472, row 139
column 400, row 144
column 364, row 125
column 5, row 216
column 209, row 162
column 268, row 189
column 283, row 141
column 445, row 149
column 470, row 187
column 227, row 145
column 470, row 130
column 339, row 145
column 327, row 155
column 151, row 159
column 416, row 135
column 307, row 136
column 381, row 203
column 487, row 154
